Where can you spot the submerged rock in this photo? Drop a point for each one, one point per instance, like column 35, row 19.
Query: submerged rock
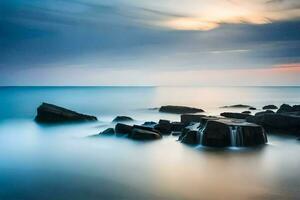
column 49, row 113
column 271, row 107
column 108, row 131
column 179, row 109
column 237, row 106
column 141, row 134
column 123, row 128
column 122, row 119
column 150, row 124
column 264, row 112
column 252, row 108
column 246, row 112
column 235, row 115
column 282, row 121
column 188, row 118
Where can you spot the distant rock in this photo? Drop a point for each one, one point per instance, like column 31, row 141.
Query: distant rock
column 269, row 107
column 177, row 126
column 264, row 112
column 140, row 134
column 108, row 131
column 49, row 113
column 122, row 119
column 237, row 106
column 179, row 109
column 176, row 133
column 252, row 108
column 246, row 112
column 188, row 118
column 235, row 115
column 123, row 128
column 150, row 124
column 164, row 127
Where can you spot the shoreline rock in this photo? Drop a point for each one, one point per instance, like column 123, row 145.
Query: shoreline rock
column 50, row 113
column 108, row 132
column 179, row 109
column 122, row 119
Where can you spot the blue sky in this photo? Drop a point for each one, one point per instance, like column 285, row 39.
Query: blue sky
column 139, row 42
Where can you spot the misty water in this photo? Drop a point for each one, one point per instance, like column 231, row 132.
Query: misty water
column 63, row 162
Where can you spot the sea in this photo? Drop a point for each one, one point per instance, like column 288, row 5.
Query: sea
column 64, row 162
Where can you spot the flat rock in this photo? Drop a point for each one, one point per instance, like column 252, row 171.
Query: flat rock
column 141, row 134
column 122, row 119
column 235, row 115
column 49, row 113
column 269, row 107
column 179, row 109
column 237, row 106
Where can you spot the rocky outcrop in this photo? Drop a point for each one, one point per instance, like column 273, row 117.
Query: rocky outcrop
column 122, row 119
column 179, row 109
column 49, row 113
column 123, row 128
column 141, row 134
column 283, row 121
column 108, row 132
column 188, row 118
column 285, row 108
column 269, row 107
column 264, row 112
column 216, row 134
column 235, row 115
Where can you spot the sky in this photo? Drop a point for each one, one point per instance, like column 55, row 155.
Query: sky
column 142, row 42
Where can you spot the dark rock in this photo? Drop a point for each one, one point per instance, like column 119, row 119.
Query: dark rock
column 140, row 134
column 123, row 128
column 250, row 135
column 122, row 119
column 246, row 112
column 190, row 134
column 237, row 106
column 164, row 127
column 264, row 112
column 252, row 108
column 177, row 126
column 216, row 134
column 176, row 133
column 282, row 121
column 271, row 107
column 188, row 118
column 296, row 108
column 108, row 131
column 150, row 124
column 49, row 113
column 235, row 115
column 179, row 109
column 147, row 128
column 284, row 108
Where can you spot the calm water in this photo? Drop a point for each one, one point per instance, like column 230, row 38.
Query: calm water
column 62, row 162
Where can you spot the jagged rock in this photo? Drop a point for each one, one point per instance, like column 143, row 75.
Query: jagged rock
column 237, row 106
column 122, row 119
column 49, row 113
column 252, row 108
column 164, row 127
column 264, row 112
column 108, row 131
column 123, row 128
column 235, row 115
column 188, row 118
column 269, row 107
column 141, row 134
column 179, row 109
column 282, row 121
column 246, row 112
column 177, row 126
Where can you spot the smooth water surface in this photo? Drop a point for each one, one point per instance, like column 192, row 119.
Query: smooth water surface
column 63, row 162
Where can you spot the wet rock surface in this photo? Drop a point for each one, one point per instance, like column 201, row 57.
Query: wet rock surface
column 49, row 113
column 108, row 131
column 123, row 128
column 122, row 119
column 142, row 134
column 179, row 109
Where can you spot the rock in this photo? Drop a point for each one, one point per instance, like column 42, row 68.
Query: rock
column 282, row 121
column 246, row 112
column 177, row 126
column 188, row 118
column 122, row 119
column 108, row 131
column 296, row 108
column 164, row 127
column 123, row 128
column 230, row 132
column 237, row 106
column 252, row 108
column 140, row 134
column 147, row 128
column 235, row 115
column 150, row 124
column 190, row 134
column 49, row 113
column 179, row 109
column 176, row 133
column 271, row 107
column 264, row 112
column 284, row 108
